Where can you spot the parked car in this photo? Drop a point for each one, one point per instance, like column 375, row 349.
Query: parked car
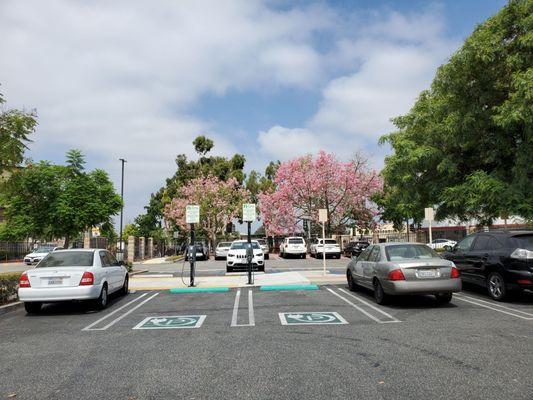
column 500, row 261
column 355, row 248
column 202, row 251
column 403, row 268
column 264, row 246
column 40, row 253
column 237, row 256
column 293, row 246
column 329, row 246
column 76, row 274
column 221, row 251
column 438, row 244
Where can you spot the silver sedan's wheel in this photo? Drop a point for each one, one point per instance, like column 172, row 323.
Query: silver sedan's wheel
column 379, row 294
column 496, row 286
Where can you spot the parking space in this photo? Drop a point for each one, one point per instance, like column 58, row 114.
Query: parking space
column 252, row 343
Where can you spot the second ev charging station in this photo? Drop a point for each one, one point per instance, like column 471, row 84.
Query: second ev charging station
column 248, row 216
column 192, row 216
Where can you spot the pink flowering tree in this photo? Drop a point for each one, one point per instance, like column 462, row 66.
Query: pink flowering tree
column 306, row 184
column 220, row 202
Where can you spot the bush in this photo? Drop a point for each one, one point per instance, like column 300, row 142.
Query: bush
column 8, row 286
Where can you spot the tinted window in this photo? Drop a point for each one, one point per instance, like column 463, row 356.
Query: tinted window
column 408, row 252
column 262, row 241
column 494, row 244
column 296, row 241
column 242, row 245
column 375, row 256
column 481, row 243
column 111, row 259
column 523, row 241
column 465, row 244
column 103, row 259
column 330, row 241
column 224, row 244
column 44, row 249
column 67, row 259
column 364, row 254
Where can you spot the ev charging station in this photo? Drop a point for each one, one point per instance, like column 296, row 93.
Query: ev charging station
column 248, row 216
column 192, row 216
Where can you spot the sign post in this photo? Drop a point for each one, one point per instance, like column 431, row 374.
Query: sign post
column 323, row 217
column 429, row 215
column 192, row 216
column 249, row 215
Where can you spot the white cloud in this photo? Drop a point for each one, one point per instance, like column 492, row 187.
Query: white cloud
column 394, row 59
column 285, row 143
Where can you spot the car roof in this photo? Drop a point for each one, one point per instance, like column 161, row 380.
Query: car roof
column 85, row 250
column 506, row 233
column 243, row 241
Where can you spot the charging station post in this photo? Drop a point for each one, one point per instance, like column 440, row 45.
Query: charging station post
column 249, row 215
column 192, row 216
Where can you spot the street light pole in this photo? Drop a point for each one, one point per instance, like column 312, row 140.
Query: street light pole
column 122, row 208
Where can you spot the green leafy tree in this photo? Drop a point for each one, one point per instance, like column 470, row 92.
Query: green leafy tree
column 203, row 145
column 46, row 201
column 466, row 146
column 15, row 128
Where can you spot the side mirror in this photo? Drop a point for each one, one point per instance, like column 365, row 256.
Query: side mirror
column 121, row 263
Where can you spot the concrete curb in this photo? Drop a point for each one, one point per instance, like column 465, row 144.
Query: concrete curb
column 10, row 307
column 136, row 272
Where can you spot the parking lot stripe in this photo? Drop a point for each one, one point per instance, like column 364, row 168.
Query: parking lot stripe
column 478, row 303
column 88, row 327
column 370, row 305
column 251, row 317
column 123, row 315
column 494, row 304
column 392, row 319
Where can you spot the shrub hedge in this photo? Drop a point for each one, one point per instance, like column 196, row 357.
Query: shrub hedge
column 8, row 286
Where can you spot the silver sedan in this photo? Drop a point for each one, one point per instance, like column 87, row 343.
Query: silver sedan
column 403, row 268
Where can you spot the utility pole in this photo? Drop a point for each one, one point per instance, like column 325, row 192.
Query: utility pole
column 122, row 208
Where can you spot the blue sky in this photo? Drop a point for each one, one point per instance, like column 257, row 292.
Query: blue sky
column 268, row 79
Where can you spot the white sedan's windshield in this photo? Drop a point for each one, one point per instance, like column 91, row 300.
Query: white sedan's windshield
column 67, row 259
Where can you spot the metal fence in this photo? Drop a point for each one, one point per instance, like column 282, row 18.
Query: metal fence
column 10, row 251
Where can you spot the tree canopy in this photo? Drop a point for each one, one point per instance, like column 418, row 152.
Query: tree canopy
column 466, row 146
column 16, row 126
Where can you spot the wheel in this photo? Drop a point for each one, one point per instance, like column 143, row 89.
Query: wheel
column 496, row 286
column 101, row 301
column 33, row 307
column 379, row 294
column 267, row 256
column 304, row 256
column 125, row 286
column 443, row 298
column 351, row 282
column 229, row 269
column 261, row 269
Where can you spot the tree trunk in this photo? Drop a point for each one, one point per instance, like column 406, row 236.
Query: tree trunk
column 67, row 242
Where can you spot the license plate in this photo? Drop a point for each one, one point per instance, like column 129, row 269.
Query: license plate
column 427, row 273
column 55, row 281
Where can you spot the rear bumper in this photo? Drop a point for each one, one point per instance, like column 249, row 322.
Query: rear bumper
column 60, row 294
column 295, row 251
column 519, row 279
column 421, row 287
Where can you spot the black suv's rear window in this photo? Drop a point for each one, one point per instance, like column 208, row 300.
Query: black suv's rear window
column 523, row 241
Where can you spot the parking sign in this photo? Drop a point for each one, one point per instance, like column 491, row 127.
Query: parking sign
column 248, row 212
column 192, row 214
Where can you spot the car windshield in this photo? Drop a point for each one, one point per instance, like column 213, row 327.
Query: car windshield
column 408, row 252
column 242, row 245
column 224, row 244
column 44, row 249
column 296, row 241
column 524, row 241
column 67, row 259
column 330, row 241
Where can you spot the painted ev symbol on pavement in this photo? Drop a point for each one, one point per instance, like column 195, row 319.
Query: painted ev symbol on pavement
column 171, row 322
column 312, row 318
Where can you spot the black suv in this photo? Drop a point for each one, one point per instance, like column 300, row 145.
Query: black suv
column 355, row 248
column 501, row 261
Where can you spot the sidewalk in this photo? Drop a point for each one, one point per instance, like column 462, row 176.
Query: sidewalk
column 237, row 280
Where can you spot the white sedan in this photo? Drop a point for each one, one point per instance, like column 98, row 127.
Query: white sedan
column 41, row 252
column 440, row 243
column 237, row 256
column 76, row 274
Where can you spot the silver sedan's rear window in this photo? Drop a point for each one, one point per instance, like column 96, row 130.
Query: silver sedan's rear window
column 409, row 252
column 67, row 259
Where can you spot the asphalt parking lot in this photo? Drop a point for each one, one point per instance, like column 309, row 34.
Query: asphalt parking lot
column 250, row 343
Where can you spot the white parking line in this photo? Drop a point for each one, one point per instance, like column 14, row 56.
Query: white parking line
column 480, row 304
column 392, row 319
column 370, row 305
column 90, row 327
column 251, row 317
column 494, row 304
